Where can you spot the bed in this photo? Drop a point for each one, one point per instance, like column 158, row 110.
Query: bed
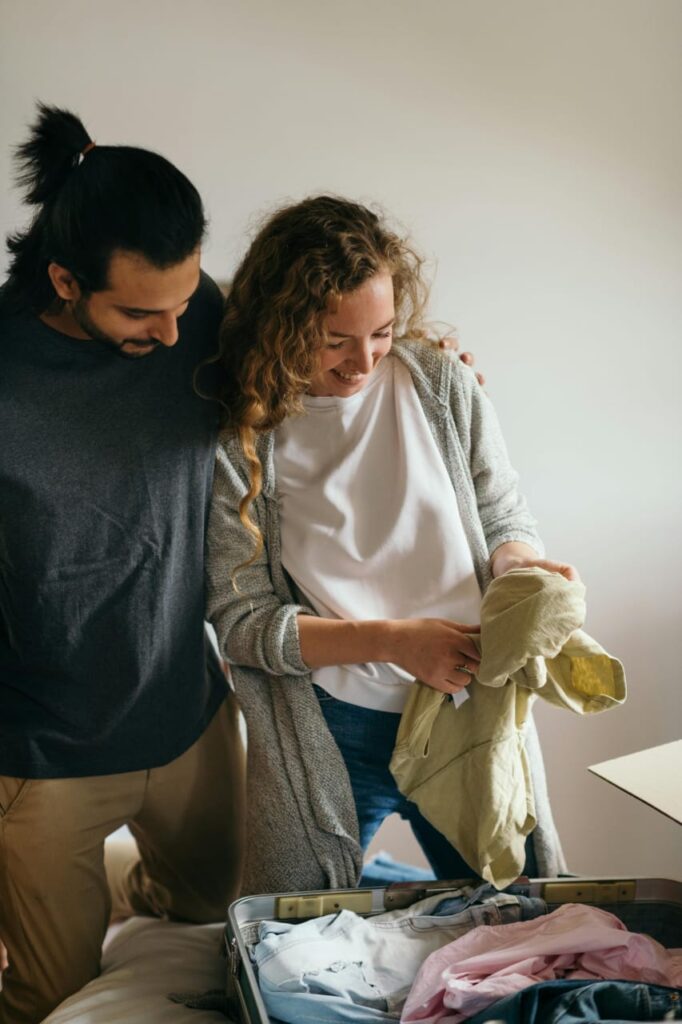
column 142, row 962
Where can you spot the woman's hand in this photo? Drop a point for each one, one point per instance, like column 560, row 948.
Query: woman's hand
column 515, row 555
column 438, row 651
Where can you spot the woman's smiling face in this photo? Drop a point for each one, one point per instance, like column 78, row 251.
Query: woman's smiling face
column 360, row 334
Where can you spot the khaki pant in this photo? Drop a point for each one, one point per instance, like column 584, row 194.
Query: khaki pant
column 55, row 904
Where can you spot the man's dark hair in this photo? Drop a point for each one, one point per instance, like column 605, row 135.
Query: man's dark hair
column 88, row 206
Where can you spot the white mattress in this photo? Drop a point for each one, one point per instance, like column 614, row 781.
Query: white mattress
column 142, row 963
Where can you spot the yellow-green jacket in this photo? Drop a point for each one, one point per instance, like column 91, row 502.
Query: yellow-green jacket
column 467, row 768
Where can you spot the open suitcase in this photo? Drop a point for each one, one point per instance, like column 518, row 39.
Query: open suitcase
column 649, row 905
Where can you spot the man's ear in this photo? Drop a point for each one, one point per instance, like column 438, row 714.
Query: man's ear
column 63, row 282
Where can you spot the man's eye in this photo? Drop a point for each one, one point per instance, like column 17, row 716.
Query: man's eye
column 134, row 316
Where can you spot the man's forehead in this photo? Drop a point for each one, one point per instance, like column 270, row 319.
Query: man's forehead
column 135, row 283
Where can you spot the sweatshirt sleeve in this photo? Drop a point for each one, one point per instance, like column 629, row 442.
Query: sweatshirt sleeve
column 502, row 508
column 254, row 627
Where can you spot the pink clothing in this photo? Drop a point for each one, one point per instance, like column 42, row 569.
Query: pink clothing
column 492, row 961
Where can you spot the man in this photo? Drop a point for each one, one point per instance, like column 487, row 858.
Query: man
column 113, row 708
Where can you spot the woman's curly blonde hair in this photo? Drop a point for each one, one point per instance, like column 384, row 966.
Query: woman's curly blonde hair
column 303, row 259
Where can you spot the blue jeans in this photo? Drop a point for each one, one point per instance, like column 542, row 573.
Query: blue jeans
column 575, row 1002
column 366, row 739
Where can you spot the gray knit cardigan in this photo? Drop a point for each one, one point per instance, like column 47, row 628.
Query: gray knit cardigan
column 302, row 826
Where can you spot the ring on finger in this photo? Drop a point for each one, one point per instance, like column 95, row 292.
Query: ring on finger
column 465, row 669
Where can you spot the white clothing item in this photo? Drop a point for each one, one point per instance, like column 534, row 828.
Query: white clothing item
column 344, row 967
column 370, row 526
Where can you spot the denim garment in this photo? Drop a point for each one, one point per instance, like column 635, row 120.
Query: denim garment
column 532, row 906
column 582, row 1002
column 366, row 739
column 343, row 967
column 383, row 870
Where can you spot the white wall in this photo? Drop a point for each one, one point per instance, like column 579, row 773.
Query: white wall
column 534, row 147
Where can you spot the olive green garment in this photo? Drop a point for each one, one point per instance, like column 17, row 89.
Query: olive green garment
column 466, row 768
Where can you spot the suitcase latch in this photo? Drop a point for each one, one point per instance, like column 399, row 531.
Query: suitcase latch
column 319, row 903
column 234, row 958
column 589, row 892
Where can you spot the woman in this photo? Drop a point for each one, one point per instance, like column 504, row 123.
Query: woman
column 363, row 500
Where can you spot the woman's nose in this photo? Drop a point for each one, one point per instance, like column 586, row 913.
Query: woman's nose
column 363, row 355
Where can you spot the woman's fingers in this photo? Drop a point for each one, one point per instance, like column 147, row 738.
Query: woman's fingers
column 564, row 568
column 453, row 687
column 440, row 652
column 455, row 681
column 463, row 657
column 466, row 646
column 568, row 571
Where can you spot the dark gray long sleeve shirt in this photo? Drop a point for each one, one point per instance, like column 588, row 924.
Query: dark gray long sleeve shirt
column 106, row 467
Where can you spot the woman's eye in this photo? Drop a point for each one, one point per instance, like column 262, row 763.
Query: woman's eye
column 383, row 334
column 335, row 344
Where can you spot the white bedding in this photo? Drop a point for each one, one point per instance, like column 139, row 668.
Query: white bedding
column 143, row 962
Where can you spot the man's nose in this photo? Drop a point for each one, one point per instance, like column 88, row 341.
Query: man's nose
column 165, row 329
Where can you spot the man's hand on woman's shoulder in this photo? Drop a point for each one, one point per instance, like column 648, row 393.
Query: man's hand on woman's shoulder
column 451, row 346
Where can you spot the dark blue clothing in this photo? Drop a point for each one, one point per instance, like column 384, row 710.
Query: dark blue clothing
column 531, row 906
column 106, row 467
column 582, row 1002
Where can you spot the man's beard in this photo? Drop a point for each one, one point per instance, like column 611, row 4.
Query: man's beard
column 79, row 311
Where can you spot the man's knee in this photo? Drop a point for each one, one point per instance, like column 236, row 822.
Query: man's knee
column 30, row 993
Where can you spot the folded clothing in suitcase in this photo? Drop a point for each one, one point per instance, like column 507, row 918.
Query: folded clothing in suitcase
column 441, row 911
